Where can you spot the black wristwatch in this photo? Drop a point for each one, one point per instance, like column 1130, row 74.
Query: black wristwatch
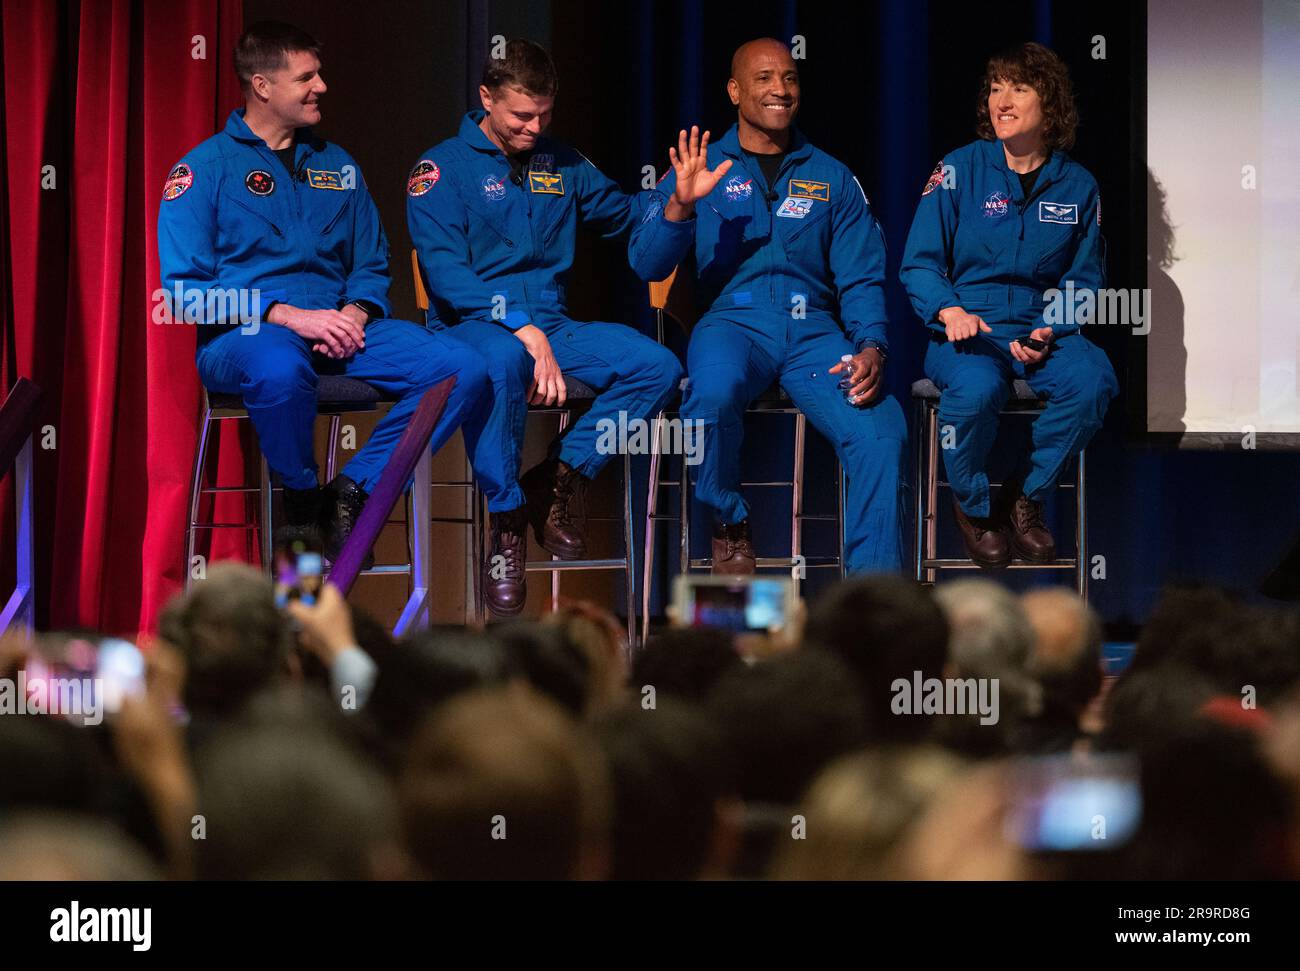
column 371, row 310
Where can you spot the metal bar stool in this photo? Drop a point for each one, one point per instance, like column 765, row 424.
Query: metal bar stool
column 671, row 300
column 335, row 395
column 1023, row 401
column 575, row 391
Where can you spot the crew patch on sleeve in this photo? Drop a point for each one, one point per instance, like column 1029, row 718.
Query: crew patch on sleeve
column 934, row 181
column 178, row 180
column 424, row 177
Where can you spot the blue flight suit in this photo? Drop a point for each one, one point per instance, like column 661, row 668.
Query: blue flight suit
column 976, row 242
column 232, row 219
column 496, row 255
column 793, row 278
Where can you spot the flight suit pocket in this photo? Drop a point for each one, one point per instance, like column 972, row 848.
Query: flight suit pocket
column 337, row 216
column 1057, row 259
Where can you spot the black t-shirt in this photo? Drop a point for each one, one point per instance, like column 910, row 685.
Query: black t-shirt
column 518, row 166
column 769, row 165
column 285, row 155
column 1028, row 179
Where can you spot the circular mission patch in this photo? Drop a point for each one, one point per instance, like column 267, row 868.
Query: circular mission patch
column 423, row 177
column 259, row 182
column 178, row 180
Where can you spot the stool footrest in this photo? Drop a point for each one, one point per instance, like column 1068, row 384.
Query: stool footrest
column 954, row 564
column 559, row 566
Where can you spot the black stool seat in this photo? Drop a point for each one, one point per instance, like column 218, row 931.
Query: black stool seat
column 576, row 390
column 1021, row 392
column 331, row 389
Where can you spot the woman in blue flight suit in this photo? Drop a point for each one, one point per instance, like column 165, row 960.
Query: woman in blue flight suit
column 1003, row 226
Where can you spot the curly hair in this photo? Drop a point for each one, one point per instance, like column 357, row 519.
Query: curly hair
column 1044, row 71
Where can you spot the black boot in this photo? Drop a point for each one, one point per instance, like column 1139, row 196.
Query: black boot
column 343, row 502
column 301, row 527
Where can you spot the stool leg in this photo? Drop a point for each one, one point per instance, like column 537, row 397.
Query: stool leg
column 480, row 528
column 648, row 550
column 839, row 522
column 266, row 525
column 420, row 525
column 684, row 525
column 931, row 487
column 332, row 450
column 1081, row 529
column 796, row 496
column 555, row 574
column 196, row 491
column 629, row 557
column 918, row 488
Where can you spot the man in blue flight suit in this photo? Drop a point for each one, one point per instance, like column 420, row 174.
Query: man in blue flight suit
column 1002, row 223
column 269, row 210
column 790, row 264
column 494, row 213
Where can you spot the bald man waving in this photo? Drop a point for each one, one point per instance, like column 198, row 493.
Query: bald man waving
column 790, row 263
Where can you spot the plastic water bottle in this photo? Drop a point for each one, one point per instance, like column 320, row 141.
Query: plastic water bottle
column 846, row 377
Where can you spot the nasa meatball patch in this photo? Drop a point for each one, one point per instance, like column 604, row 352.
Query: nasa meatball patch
column 178, row 180
column 424, row 177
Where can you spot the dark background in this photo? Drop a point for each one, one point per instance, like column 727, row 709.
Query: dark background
column 888, row 88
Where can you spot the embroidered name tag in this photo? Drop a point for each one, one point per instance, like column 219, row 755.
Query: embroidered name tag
column 1058, row 212
column 319, row 179
column 551, row 183
column 803, row 189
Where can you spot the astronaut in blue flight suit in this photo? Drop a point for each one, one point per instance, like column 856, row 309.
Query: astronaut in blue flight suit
column 494, row 213
column 268, row 210
column 1003, row 222
column 790, row 264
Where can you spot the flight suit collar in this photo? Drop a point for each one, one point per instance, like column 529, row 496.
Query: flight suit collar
column 729, row 144
column 238, row 129
column 472, row 134
column 996, row 156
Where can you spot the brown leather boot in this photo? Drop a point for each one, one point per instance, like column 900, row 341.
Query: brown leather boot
column 1030, row 537
column 504, row 580
column 985, row 541
column 733, row 549
column 557, row 508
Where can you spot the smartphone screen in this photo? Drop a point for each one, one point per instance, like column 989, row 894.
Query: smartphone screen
column 737, row 604
column 1065, row 804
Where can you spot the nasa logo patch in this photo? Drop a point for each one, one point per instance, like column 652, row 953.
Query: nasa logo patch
column 995, row 205
column 494, row 190
column 738, row 190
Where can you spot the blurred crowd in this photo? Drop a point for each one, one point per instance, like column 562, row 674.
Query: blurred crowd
column 305, row 743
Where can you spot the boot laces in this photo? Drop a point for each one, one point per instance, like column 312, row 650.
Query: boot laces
column 570, row 493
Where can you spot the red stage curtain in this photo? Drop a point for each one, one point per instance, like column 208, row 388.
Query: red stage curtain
column 111, row 93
